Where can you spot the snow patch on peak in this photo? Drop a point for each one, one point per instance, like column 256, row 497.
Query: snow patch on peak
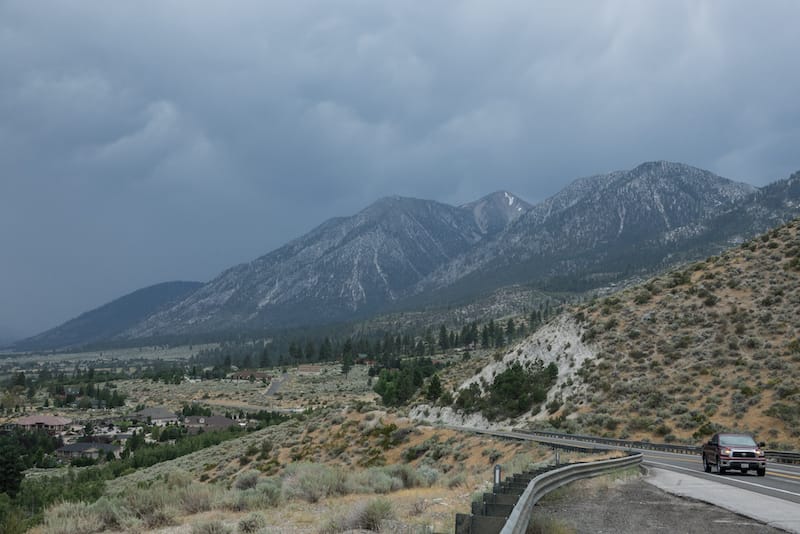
column 510, row 199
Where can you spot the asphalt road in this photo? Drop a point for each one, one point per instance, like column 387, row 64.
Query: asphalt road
column 782, row 481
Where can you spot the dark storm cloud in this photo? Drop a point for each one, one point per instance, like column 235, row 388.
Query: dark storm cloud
column 141, row 142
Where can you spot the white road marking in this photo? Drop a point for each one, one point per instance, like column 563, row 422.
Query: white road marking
column 668, row 466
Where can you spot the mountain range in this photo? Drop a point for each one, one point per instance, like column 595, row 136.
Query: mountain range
column 404, row 253
column 111, row 319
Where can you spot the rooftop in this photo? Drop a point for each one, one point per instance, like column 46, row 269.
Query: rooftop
column 47, row 420
column 157, row 412
column 84, row 447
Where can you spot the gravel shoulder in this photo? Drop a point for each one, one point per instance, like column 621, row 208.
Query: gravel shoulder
column 633, row 505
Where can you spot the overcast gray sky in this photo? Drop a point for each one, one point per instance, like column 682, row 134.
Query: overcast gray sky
column 142, row 142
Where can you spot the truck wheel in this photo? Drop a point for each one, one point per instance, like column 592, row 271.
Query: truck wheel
column 706, row 465
column 761, row 472
column 721, row 470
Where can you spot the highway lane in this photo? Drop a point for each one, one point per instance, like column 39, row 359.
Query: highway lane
column 782, row 481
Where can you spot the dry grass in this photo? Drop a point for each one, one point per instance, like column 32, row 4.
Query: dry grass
column 712, row 346
column 359, row 466
column 297, row 391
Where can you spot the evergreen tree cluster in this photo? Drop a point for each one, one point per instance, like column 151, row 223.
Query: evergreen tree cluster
column 513, row 392
column 86, row 395
column 383, row 347
column 397, row 386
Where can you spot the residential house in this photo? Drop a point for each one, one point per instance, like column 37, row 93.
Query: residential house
column 49, row 423
column 158, row 416
column 87, row 450
column 196, row 423
column 246, row 375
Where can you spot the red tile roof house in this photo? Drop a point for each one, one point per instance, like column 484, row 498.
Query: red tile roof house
column 50, row 423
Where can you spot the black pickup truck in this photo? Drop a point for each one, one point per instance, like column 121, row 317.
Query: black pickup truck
column 734, row 452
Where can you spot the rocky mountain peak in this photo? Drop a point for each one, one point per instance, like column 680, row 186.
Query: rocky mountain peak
column 495, row 211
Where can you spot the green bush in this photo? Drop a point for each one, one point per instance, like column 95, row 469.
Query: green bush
column 516, row 390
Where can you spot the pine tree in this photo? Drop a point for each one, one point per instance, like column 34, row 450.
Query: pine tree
column 11, row 467
column 347, row 363
column 434, row 388
column 326, row 350
column 310, row 351
column 511, row 330
column 444, row 338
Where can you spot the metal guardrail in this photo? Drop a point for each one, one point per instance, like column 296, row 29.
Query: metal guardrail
column 517, row 522
column 783, row 457
column 777, row 456
column 628, row 444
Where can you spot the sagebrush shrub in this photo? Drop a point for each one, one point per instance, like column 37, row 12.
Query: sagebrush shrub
column 210, row 527
column 113, row 514
column 178, row 479
column 252, row 523
column 153, row 506
column 372, row 515
column 373, row 480
column 246, row 480
column 71, row 518
column 312, row 482
column 197, row 498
